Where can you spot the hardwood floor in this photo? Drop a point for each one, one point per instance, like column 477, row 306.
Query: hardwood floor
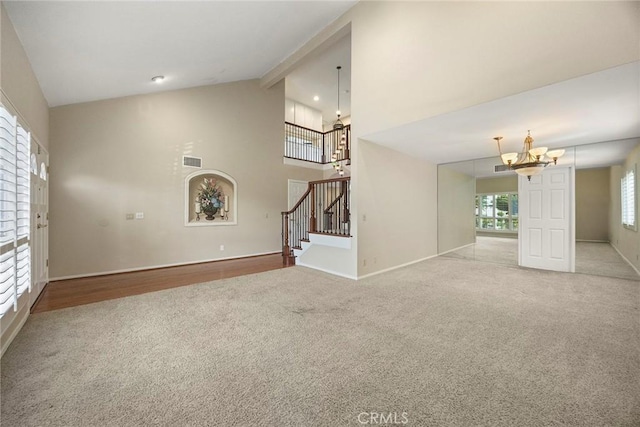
column 73, row 292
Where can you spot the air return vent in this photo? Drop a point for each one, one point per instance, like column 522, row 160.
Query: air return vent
column 500, row 168
column 192, row 162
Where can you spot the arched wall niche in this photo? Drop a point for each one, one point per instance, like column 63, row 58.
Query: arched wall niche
column 211, row 199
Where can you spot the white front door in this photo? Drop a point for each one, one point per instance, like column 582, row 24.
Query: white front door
column 546, row 229
column 296, row 191
column 39, row 220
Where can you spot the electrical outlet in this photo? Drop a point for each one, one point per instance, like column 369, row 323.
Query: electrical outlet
column 222, row 247
column 364, row 262
column 129, row 216
column 364, row 217
column 266, row 215
column 139, row 215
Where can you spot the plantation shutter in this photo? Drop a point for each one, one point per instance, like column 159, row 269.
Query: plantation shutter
column 15, row 214
column 627, row 186
column 23, row 207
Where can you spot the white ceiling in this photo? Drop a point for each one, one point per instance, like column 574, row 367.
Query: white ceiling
column 603, row 106
column 318, row 76
column 85, row 51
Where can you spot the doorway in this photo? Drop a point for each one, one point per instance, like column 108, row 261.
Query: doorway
column 39, row 220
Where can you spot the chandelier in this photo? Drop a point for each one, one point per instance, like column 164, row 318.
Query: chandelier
column 338, row 123
column 341, row 150
column 531, row 161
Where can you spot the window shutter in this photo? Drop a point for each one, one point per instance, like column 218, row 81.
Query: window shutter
column 23, row 197
column 8, row 297
column 628, row 197
column 8, row 200
column 15, row 211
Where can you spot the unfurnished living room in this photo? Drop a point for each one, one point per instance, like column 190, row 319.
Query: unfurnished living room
column 319, row 213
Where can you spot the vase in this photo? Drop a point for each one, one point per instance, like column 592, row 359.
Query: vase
column 210, row 214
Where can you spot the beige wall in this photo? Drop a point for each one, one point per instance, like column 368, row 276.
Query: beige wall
column 625, row 240
column 22, row 96
column 414, row 60
column 21, row 93
column 456, row 209
column 503, row 184
column 398, row 197
column 592, row 209
column 124, row 155
column 427, row 58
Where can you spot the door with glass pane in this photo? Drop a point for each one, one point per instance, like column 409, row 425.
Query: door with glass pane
column 39, row 220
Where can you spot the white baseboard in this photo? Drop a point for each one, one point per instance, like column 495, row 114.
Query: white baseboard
column 325, row 270
column 625, row 258
column 455, row 249
column 15, row 331
column 592, row 241
column 406, row 264
column 153, row 267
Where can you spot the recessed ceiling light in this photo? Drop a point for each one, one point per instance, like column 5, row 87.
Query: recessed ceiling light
column 316, row 98
column 157, row 79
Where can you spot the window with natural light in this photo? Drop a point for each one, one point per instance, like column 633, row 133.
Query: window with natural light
column 628, row 197
column 15, row 264
column 497, row 212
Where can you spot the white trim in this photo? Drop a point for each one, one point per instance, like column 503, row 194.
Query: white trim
column 397, row 267
column 343, row 242
column 16, row 330
column 153, row 267
column 456, row 249
column 324, row 270
column 625, row 258
column 592, row 241
column 304, row 164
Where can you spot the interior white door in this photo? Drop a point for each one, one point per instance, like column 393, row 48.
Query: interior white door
column 546, row 229
column 296, row 190
column 39, row 220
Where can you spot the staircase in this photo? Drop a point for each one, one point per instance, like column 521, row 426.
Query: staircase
column 323, row 210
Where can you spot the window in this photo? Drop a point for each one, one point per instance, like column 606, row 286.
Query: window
column 15, row 265
column 497, row 212
column 628, row 198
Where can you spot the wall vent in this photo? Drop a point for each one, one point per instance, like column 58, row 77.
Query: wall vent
column 501, row 168
column 192, row 162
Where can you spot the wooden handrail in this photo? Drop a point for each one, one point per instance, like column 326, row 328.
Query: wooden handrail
column 313, row 130
column 311, row 184
column 301, row 219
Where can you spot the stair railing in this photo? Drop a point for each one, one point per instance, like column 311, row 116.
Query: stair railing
column 329, row 197
column 313, row 146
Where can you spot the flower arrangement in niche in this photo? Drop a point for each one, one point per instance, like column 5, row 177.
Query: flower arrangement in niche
column 210, row 198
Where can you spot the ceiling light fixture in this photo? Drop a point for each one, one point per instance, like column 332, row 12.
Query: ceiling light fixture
column 316, row 98
column 157, row 79
column 531, row 161
column 338, row 123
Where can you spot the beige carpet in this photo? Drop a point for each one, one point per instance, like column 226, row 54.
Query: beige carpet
column 446, row 342
column 595, row 258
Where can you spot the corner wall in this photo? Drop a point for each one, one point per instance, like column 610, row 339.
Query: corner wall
column 626, row 241
column 124, row 155
column 397, row 209
column 20, row 93
column 592, row 213
column 456, row 209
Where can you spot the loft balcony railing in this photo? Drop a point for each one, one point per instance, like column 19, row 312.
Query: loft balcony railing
column 312, row 146
column 323, row 208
